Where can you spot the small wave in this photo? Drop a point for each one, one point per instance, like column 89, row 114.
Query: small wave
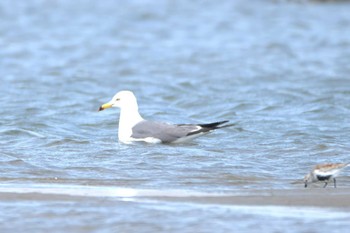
column 7, row 156
column 292, row 212
column 16, row 162
column 66, row 141
column 17, row 132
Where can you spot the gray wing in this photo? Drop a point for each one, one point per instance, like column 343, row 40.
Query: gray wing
column 165, row 132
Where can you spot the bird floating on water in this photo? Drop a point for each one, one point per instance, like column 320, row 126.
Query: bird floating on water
column 132, row 127
column 325, row 172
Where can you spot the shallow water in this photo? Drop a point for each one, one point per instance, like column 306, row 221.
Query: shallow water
column 279, row 70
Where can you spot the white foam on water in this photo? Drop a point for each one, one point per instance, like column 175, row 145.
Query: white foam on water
column 99, row 191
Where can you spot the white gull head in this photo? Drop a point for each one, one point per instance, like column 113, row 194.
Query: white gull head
column 129, row 113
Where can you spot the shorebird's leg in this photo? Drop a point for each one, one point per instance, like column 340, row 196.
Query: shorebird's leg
column 335, row 183
column 325, row 183
column 305, row 184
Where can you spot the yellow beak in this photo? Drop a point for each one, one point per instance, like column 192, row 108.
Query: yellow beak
column 104, row 106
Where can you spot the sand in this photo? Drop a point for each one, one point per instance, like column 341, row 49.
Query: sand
column 316, row 197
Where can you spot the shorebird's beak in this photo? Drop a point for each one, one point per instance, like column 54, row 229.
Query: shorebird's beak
column 104, row 106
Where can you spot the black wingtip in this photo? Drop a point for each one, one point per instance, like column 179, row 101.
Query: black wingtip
column 216, row 125
column 224, row 126
column 204, row 128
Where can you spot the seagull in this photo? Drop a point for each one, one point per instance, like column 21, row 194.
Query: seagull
column 132, row 127
column 325, row 172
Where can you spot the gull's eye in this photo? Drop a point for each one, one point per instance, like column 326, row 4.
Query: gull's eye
column 117, row 99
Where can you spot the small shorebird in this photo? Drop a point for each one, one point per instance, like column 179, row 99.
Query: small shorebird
column 132, row 127
column 325, row 172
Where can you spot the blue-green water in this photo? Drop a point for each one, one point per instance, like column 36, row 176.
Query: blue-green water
column 279, row 70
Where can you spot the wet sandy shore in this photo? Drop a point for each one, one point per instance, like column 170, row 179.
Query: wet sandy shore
column 316, row 197
column 310, row 197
